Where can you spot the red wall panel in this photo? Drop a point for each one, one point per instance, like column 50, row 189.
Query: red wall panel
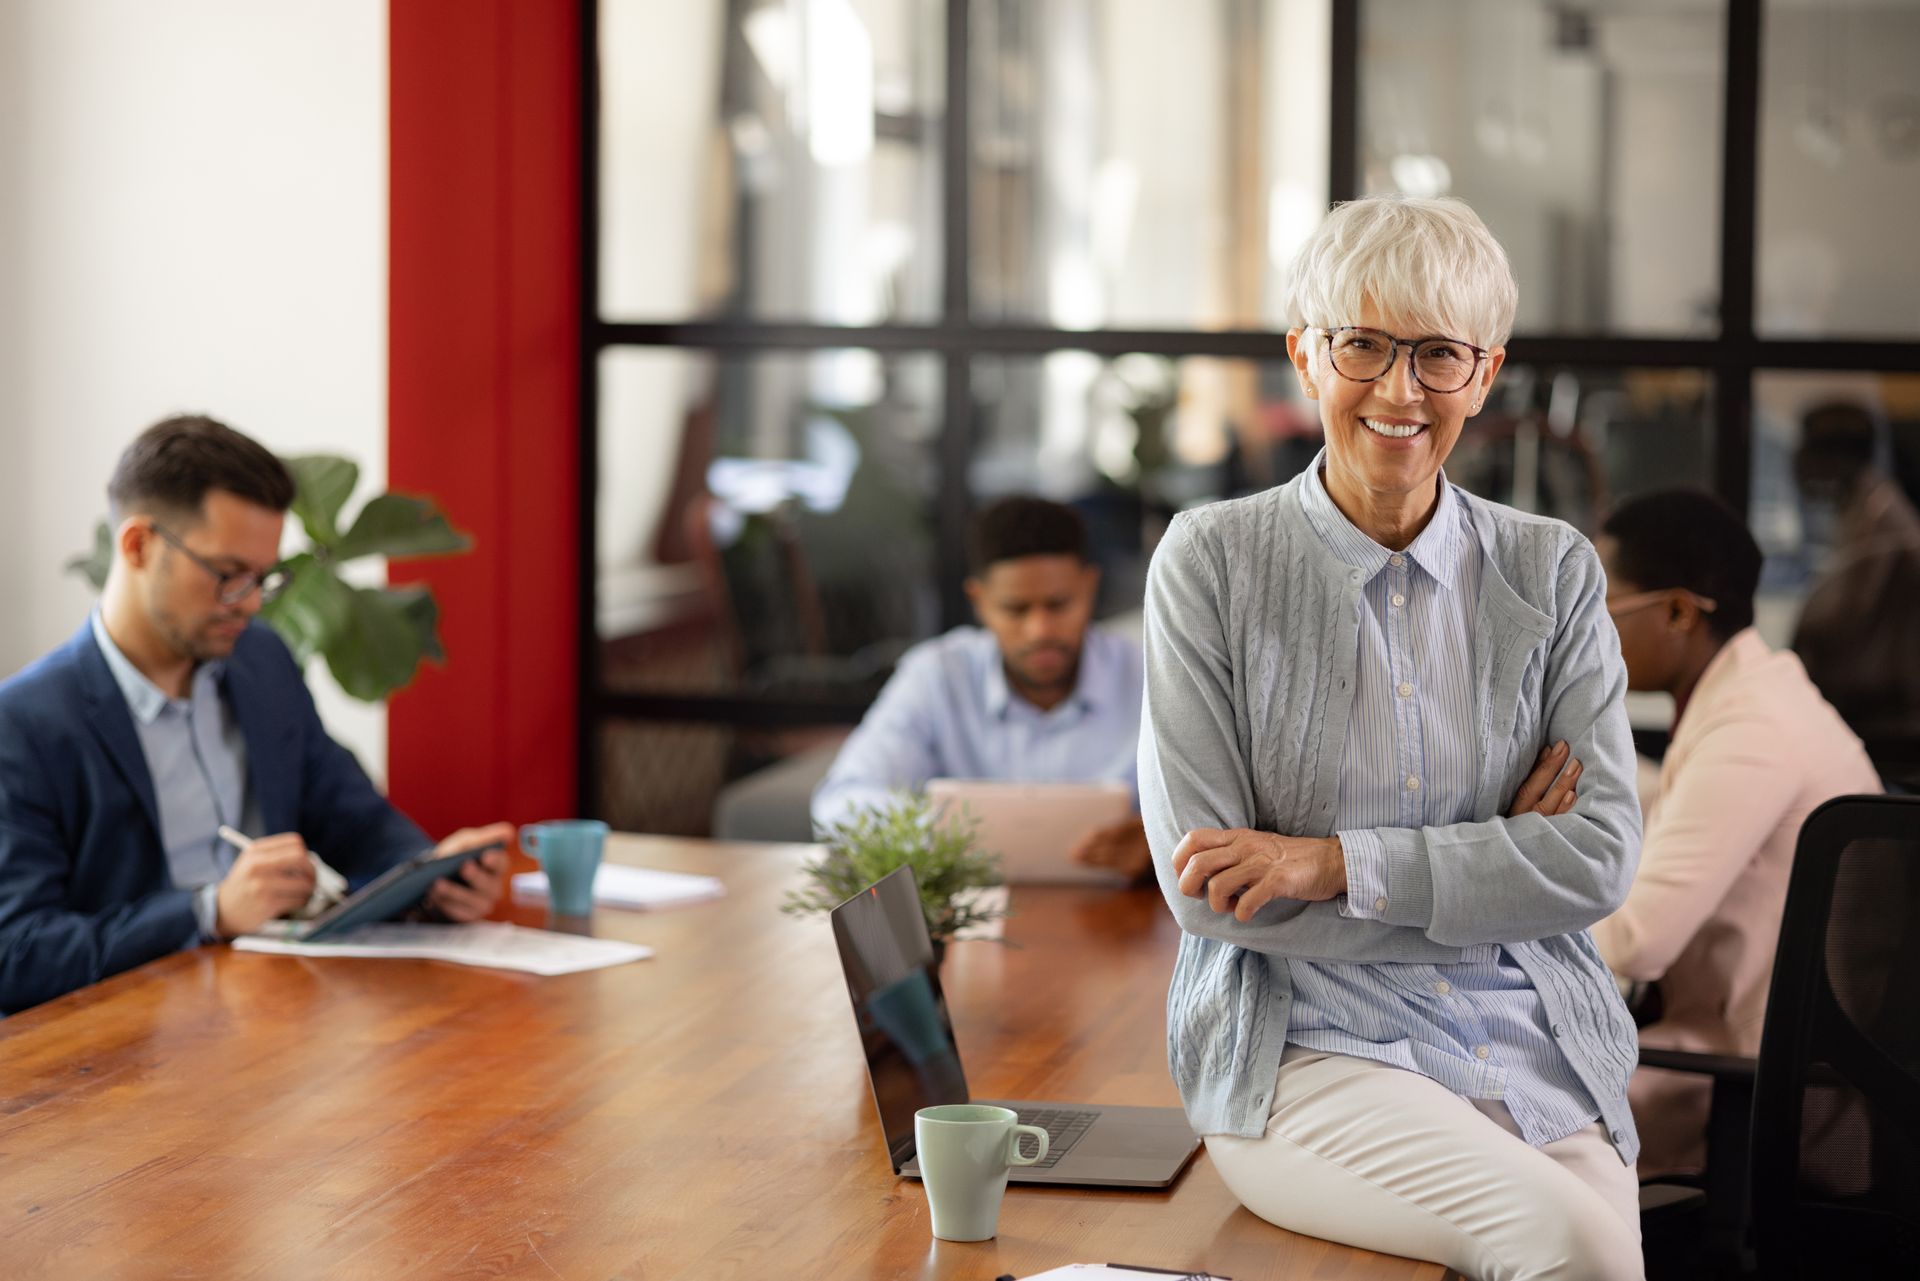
column 483, row 348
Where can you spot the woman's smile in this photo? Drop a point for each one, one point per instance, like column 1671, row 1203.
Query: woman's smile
column 1395, row 430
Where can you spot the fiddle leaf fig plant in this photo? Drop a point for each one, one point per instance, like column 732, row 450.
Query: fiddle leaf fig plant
column 372, row 638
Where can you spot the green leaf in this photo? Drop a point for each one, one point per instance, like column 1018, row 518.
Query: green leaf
column 94, row 565
column 398, row 526
column 379, row 648
column 322, row 485
column 424, row 613
column 313, row 609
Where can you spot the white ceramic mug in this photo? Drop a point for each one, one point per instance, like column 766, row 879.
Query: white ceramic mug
column 964, row 1150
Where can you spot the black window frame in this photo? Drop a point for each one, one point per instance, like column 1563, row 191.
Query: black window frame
column 1734, row 357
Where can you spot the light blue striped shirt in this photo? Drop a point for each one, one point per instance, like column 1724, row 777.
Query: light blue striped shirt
column 1412, row 760
column 948, row 712
column 197, row 758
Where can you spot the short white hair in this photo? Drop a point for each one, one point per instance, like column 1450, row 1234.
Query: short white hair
column 1428, row 262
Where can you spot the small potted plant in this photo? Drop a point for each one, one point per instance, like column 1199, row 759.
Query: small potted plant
column 904, row 831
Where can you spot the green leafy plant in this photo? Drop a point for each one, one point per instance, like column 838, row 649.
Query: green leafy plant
column 905, row 831
column 373, row 638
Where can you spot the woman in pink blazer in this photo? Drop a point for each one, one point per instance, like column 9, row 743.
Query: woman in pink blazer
column 1755, row 748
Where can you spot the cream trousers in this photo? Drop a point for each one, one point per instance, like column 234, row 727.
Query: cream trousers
column 1389, row 1160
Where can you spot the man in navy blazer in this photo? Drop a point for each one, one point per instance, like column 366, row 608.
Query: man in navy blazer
column 170, row 714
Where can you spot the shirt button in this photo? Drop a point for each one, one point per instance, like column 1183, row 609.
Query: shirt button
column 1379, row 905
column 1443, row 987
column 1559, row 1029
column 1413, row 784
column 1398, row 600
column 1619, row 1136
column 1396, row 560
column 1481, row 1052
column 1405, row 689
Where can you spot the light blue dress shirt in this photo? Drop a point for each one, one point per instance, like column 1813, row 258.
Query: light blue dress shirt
column 948, row 712
column 1411, row 760
column 197, row 757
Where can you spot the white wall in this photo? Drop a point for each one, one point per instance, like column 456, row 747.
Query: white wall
column 193, row 216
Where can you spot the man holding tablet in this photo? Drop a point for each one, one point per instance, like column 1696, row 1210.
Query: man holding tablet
column 1035, row 694
column 170, row 714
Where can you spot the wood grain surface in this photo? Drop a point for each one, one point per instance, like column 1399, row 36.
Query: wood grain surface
column 701, row 1115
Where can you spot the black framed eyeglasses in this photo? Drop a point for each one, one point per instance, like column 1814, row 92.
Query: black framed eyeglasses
column 1363, row 355
column 230, row 587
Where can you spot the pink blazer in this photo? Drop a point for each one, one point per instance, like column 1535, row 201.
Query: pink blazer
column 1755, row 751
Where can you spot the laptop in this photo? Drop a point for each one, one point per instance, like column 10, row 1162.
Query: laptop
column 1033, row 827
column 914, row 1063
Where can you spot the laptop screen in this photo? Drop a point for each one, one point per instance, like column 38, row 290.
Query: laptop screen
column 897, row 1003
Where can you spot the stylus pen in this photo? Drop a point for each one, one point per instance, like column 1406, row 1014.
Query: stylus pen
column 331, row 883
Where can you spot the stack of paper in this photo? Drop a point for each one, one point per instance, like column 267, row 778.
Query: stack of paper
column 615, row 885
column 494, row 944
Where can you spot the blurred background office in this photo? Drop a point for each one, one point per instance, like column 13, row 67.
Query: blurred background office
column 846, row 269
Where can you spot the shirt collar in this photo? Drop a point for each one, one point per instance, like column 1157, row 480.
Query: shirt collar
column 144, row 699
column 994, row 690
column 997, row 695
column 1436, row 550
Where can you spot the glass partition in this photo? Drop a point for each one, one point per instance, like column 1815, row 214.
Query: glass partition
column 1132, row 171
column 1839, row 172
column 1588, row 137
column 772, row 159
column 764, row 521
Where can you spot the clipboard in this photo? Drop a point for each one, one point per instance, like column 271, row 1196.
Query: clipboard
column 386, row 896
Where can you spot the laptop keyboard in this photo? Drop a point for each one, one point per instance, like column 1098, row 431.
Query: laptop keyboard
column 1063, row 1131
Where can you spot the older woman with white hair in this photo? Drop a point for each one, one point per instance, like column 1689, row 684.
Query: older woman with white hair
column 1387, row 777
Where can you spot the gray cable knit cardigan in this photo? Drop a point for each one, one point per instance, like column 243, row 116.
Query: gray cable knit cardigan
column 1251, row 639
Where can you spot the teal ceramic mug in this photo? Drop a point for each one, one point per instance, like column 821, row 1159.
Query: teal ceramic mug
column 964, row 1150
column 569, row 853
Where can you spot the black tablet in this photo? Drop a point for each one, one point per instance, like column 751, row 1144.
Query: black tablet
column 386, row 896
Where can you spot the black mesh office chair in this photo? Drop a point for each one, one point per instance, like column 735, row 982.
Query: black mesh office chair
column 1832, row 1152
column 1836, row 1143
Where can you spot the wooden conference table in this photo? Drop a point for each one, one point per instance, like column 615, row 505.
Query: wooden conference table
column 701, row 1115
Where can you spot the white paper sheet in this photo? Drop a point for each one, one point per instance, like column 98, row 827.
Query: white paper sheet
column 493, row 944
column 987, row 898
column 1110, row 1272
column 615, row 885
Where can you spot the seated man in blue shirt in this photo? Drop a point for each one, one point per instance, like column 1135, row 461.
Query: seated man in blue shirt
column 1034, row 694
column 170, row 715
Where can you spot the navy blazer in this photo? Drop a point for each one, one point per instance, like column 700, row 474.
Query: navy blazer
column 84, row 887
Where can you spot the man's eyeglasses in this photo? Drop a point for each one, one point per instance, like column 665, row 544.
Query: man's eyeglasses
column 230, row 587
column 1640, row 600
column 1364, row 355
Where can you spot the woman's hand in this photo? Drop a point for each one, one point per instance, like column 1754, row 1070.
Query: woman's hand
column 1241, row 871
column 1549, row 789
